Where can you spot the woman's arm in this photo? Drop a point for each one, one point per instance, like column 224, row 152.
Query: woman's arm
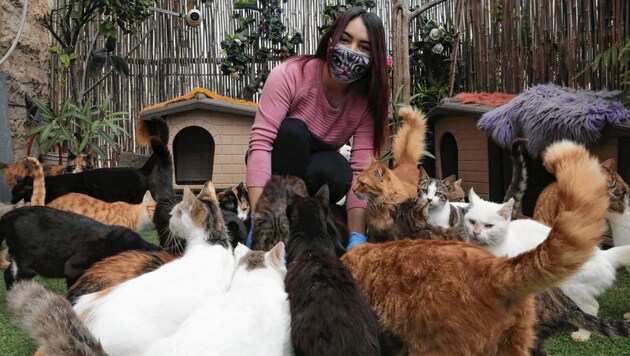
column 253, row 194
column 357, row 220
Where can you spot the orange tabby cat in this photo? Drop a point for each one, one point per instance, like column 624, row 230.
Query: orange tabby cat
column 383, row 188
column 548, row 203
column 453, row 298
column 80, row 163
column 138, row 217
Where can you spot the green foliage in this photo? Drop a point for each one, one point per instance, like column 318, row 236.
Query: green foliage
column 332, row 11
column 78, row 128
column 427, row 97
column 256, row 41
column 618, row 55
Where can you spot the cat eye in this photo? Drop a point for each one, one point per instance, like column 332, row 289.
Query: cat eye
column 472, row 221
column 488, row 226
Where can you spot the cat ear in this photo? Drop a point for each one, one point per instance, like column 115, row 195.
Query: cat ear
column 422, row 174
column 450, row 179
column 323, row 195
column 240, row 251
column 609, row 164
column 506, row 210
column 147, row 198
column 458, row 183
column 208, row 193
column 472, row 197
column 381, row 170
column 71, row 155
column 189, row 196
column 275, row 256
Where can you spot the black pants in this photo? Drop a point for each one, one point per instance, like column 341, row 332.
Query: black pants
column 296, row 152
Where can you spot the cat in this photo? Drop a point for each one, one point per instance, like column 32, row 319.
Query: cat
column 437, row 193
column 4, row 249
column 252, row 318
column 411, row 220
column 123, row 317
column 236, row 200
column 110, row 184
column 329, row 314
column 554, row 310
column 76, row 163
column 49, row 319
column 488, row 225
column 271, row 224
column 56, row 244
column 138, row 217
column 518, row 183
column 468, row 302
column 381, row 187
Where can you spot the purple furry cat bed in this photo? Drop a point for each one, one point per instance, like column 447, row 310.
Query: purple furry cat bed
column 547, row 113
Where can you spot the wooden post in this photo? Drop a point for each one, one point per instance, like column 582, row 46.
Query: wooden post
column 6, row 145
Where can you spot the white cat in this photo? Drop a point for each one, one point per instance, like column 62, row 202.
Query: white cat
column 252, row 318
column 132, row 316
column 620, row 223
column 488, row 225
column 441, row 211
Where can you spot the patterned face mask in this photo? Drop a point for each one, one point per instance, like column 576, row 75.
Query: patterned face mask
column 348, row 66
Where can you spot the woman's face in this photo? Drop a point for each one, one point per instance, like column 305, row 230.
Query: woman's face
column 351, row 54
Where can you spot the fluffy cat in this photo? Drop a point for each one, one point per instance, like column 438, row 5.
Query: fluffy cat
column 49, row 319
column 329, row 314
column 123, row 317
column 383, row 188
column 411, row 220
column 4, row 250
column 58, row 244
column 488, row 225
column 494, row 296
column 437, row 192
column 110, row 184
column 270, row 219
column 236, row 200
column 114, row 270
column 76, row 163
column 252, row 318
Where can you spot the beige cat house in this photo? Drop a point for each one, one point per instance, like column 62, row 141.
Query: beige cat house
column 462, row 149
column 208, row 137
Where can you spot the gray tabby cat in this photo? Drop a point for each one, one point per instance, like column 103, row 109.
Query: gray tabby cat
column 518, row 184
column 437, row 194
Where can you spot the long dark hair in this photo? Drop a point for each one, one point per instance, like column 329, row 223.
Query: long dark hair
column 374, row 85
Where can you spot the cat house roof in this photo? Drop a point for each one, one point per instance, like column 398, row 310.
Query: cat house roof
column 452, row 106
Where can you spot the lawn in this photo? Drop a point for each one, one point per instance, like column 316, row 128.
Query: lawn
column 613, row 304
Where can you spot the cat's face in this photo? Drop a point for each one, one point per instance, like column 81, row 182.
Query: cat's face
column 23, row 189
column 487, row 223
column 433, row 192
column 251, row 261
column 618, row 190
column 198, row 216
column 374, row 184
column 81, row 163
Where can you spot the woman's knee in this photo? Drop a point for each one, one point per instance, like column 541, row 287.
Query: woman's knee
column 331, row 168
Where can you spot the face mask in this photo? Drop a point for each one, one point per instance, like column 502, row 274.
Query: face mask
column 348, row 66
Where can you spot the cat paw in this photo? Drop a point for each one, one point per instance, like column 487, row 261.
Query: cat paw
column 626, row 316
column 581, row 335
column 5, row 264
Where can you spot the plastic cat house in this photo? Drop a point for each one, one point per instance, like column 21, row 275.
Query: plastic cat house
column 472, row 134
column 208, row 137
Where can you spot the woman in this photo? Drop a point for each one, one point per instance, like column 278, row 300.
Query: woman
column 312, row 105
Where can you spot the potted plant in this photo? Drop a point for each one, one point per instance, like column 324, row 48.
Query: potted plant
column 78, row 128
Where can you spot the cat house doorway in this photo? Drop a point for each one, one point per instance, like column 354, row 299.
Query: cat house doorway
column 193, row 155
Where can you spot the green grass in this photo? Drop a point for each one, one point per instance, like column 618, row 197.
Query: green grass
column 613, row 304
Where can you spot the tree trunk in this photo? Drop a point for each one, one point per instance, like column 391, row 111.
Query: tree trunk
column 400, row 49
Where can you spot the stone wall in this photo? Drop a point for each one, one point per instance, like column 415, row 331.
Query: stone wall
column 27, row 68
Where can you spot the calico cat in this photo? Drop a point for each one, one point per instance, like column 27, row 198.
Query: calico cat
column 329, row 314
column 494, row 296
column 123, row 317
column 49, row 319
column 554, row 310
column 412, row 221
column 252, row 318
column 76, row 163
column 271, row 224
column 383, row 188
column 110, row 184
column 4, row 250
column 236, row 200
column 488, row 225
column 58, row 244
column 437, row 193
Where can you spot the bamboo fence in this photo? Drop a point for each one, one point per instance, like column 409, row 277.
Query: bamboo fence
column 505, row 45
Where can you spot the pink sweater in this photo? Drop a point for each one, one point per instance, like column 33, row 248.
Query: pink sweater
column 293, row 92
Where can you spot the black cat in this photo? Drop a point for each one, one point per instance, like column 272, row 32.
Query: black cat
column 56, row 244
column 329, row 314
column 110, row 184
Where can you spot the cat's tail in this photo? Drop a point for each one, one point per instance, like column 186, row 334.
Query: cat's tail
column 50, row 320
column 576, row 230
column 410, row 139
column 602, row 326
column 619, row 256
column 518, row 185
column 39, row 183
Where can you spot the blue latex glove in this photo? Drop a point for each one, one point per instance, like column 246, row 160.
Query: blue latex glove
column 250, row 234
column 356, row 239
